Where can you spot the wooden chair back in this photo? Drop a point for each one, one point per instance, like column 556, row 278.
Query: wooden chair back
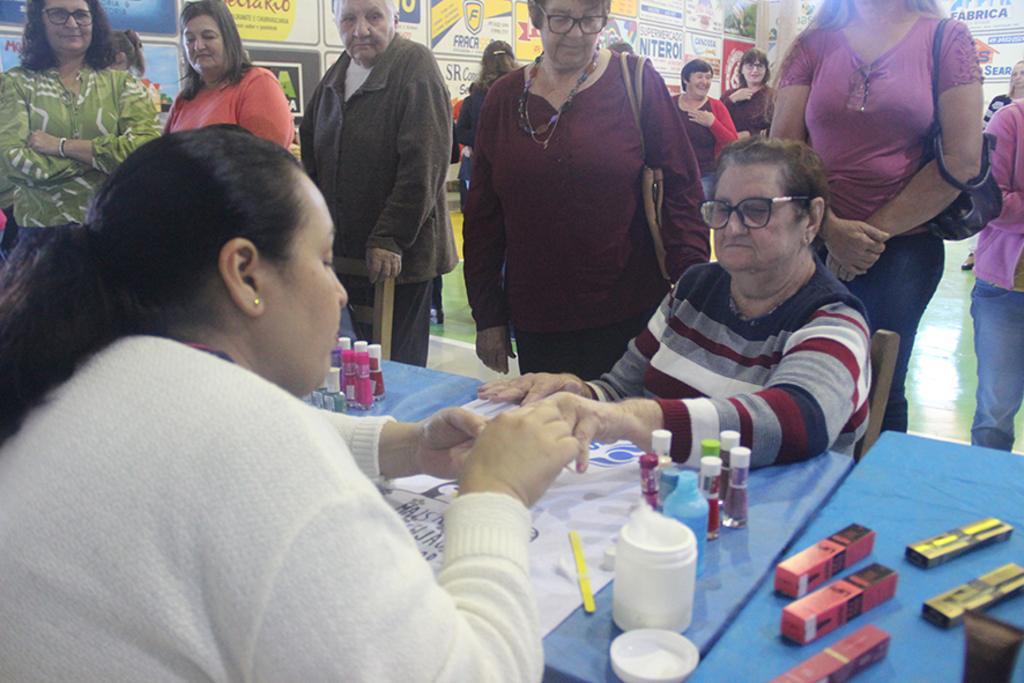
column 381, row 314
column 885, row 346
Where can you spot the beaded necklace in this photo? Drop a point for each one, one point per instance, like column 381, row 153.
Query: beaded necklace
column 552, row 124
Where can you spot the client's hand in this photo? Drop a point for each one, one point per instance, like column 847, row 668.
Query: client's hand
column 520, row 453
column 633, row 419
column 444, row 440
column 532, row 387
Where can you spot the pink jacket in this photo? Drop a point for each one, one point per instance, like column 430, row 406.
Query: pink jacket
column 1000, row 244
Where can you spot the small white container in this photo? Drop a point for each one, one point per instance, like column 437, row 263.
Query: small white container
column 655, row 573
column 653, row 656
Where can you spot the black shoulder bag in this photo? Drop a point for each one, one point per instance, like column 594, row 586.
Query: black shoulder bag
column 980, row 199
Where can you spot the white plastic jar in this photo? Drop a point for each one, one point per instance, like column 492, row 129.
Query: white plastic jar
column 655, row 573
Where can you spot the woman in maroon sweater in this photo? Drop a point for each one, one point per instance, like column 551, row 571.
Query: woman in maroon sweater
column 556, row 240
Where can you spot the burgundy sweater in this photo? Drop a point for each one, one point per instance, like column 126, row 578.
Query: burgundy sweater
column 567, row 222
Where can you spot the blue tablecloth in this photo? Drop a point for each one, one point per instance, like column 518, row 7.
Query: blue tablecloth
column 907, row 489
column 782, row 501
column 413, row 393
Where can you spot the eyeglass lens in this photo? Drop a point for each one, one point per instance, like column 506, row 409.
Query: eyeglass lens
column 754, row 212
column 60, row 16
column 563, row 23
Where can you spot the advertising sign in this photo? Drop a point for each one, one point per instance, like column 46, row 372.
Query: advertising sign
column 624, row 7
column 162, row 75
column 732, row 54
column 9, row 57
column 275, row 21
column 986, row 16
column 807, row 10
column 664, row 46
column 704, row 15
column 412, row 22
column 527, row 43
column 144, row 16
column 459, row 75
column 741, row 18
column 708, row 48
column 298, row 72
column 466, row 27
column 618, row 31
column 664, row 11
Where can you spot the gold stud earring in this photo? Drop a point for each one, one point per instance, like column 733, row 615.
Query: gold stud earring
column 257, row 302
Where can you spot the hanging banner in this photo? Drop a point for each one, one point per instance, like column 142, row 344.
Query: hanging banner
column 732, row 53
column 276, row 21
column 144, row 16
column 741, row 18
column 624, row 7
column 807, row 10
column 10, row 57
column 466, row 27
column 459, row 75
column 527, row 39
column 664, row 47
column 618, row 31
column 704, row 15
column 708, row 48
column 986, row 16
column 162, row 77
column 664, row 11
column 412, row 23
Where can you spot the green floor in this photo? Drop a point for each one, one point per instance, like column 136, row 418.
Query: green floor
column 941, row 382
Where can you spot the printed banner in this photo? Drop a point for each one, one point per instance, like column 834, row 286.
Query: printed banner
column 527, row 43
column 664, row 46
column 704, row 15
column 986, row 16
column 11, row 55
column 732, row 53
column 807, row 10
column 664, row 11
column 12, row 11
column 276, row 21
column 741, row 18
column 618, row 31
column 412, row 23
column 144, row 16
column 624, row 7
column 458, row 76
column 298, row 72
column 708, row 48
column 466, row 27
column 162, row 76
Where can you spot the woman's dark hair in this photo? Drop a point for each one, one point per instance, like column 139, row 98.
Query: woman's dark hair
column 537, row 16
column 695, row 66
column 803, row 174
column 497, row 61
column 36, row 53
column 129, row 43
column 145, row 258
column 234, row 54
column 755, row 56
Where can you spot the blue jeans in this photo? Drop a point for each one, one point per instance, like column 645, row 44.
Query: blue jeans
column 895, row 291
column 998, row 337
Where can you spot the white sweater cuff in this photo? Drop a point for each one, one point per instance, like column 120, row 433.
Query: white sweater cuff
column 362, row 434
column 490, row 524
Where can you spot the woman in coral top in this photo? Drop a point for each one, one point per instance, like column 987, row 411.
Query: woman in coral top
column 221, row 85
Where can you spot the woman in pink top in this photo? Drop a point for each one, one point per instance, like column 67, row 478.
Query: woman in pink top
column 857, row 85
column 221, row 85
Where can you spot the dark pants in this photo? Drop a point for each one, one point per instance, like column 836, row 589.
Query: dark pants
column 585, row 353
column 410, row 332
column 896, row 291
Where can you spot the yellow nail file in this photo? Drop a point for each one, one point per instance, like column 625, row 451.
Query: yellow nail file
column 581, row 570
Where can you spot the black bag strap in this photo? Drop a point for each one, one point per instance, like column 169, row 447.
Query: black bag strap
column 935, row 131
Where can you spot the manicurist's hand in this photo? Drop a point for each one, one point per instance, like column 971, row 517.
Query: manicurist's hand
column 520, row 453
column 532, row 387
column 445, row 438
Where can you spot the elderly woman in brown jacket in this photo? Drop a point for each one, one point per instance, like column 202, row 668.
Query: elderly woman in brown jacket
column 376, row 139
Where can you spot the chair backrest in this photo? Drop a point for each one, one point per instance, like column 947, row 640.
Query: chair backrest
column 381, row 314
column 885, row 346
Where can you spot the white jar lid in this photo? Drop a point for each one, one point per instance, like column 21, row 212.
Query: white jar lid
column 653, row 655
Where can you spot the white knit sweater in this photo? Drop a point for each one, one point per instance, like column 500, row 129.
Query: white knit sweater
column 169, row 516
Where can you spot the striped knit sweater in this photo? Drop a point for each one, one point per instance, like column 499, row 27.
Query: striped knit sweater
column 793, row 382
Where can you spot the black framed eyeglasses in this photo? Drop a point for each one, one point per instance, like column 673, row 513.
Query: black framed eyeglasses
column 59, row 16
column 563, row 23
column 754, row 212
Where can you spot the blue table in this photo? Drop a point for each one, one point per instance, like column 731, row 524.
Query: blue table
column 414, row 393
column 782, row 501
column 907, row 488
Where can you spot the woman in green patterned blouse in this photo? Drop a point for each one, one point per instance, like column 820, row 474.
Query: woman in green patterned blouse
column 66, row 120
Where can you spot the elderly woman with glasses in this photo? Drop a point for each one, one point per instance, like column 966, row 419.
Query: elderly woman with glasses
column 857, row 86
column 66, row 119
column 766, row 341
column 557, row 244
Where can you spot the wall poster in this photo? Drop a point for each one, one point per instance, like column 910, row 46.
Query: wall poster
column 463, row 28
column 298, row 72
column 732, row 53
column 618, row 31
column 663, row 45
column 276, row 21
column 527, row 39
column 664, row 11
column 741, row 18
column 704, row 15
